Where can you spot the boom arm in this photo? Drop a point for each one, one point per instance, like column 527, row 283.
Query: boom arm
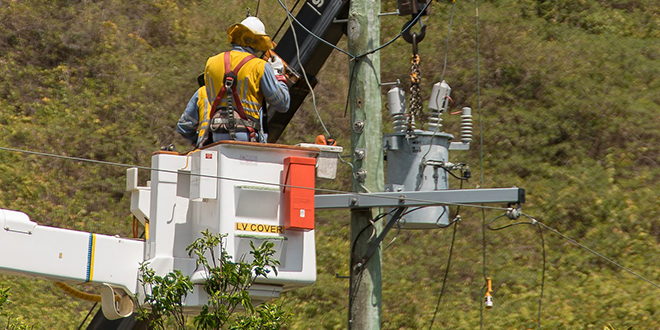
column 310, row 53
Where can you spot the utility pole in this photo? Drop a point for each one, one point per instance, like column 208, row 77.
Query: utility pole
column 367, row 155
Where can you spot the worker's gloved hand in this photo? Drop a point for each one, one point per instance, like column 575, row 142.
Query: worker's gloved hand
column 278, row 66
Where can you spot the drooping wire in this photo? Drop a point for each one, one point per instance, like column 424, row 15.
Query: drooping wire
column 353, row 57
column 437, row 127
column 481, row 158
column 290, row 15
column 444, row 279
column 373, row 226
column 535, row 223
column 451, row 19
column 355, row 285
column 87, row 316
column 630, row 271
column 542, row 275
column 302, row 67
column 350, row 83
column 285, row 20
column 93, row 161
column 508, row 225
column 404, row 30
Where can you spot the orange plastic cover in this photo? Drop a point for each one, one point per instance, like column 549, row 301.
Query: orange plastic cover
column 299, row 192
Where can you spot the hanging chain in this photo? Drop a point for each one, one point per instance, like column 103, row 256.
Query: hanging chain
column 415, row 92
column 415, row 110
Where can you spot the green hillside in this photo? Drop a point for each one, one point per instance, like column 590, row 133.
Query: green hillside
column 566, row 101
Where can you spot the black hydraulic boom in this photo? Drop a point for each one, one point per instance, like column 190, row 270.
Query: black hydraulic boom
column 325, row 19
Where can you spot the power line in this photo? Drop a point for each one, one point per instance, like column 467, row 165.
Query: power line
column 404, row 30
column 444, row 279
column 352, row 56
column 442, row 77
column 451, row 20
column 333, row 191
column 540, row 230
column 311, row 33
column 542, row 276
column 481, row 157
column 508, row 225
column 595, row 252
column 302, row 67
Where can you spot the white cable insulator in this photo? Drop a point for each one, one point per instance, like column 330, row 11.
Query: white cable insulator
column 466, row 125
column 400, row 123
column 435, row 120
column 396, row 102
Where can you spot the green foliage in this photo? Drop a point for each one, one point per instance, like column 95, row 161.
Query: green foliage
column 568, row 106
column 227, row 283
column 10, row 324
column 4, row 295
column 165, row 297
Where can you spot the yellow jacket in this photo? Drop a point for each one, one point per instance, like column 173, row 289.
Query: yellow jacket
column 247, row 82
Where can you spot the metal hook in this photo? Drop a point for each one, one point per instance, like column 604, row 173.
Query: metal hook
column 413, row 37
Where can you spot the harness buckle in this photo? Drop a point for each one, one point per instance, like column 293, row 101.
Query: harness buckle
column 229, row 82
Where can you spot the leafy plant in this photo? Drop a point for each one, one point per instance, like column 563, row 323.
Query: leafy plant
column 10, row 325
column 227, row 283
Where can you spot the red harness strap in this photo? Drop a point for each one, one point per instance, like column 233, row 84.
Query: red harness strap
column 223, row 90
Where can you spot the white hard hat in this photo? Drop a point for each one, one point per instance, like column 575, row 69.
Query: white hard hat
column 255, row 25
column 251, row 32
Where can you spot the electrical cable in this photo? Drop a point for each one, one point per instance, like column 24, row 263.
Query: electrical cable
column 451, row 19
column 373, row 222
column 285, row 20
column 481, row 158
column 353, row 57
column 350, row 82
column 302, row 67
column 353, row 291
column 444, row 210
column 533, row 222
column 444, row 279
column 630, row 271
column 450, row 172
column 431, row 202
column 404, row 30
column 396, row 235
column 542, row 275
column 312, row 34
column 508, row 225
column 437, row 127
column 87, row 316
column 451, row 252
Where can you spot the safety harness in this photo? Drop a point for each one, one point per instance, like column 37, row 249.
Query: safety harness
column 224, row 118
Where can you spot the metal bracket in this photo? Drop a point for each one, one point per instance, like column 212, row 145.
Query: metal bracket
column 420, row 198
column 374, row 245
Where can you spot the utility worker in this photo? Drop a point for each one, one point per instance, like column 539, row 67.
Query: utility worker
column 230, row 105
